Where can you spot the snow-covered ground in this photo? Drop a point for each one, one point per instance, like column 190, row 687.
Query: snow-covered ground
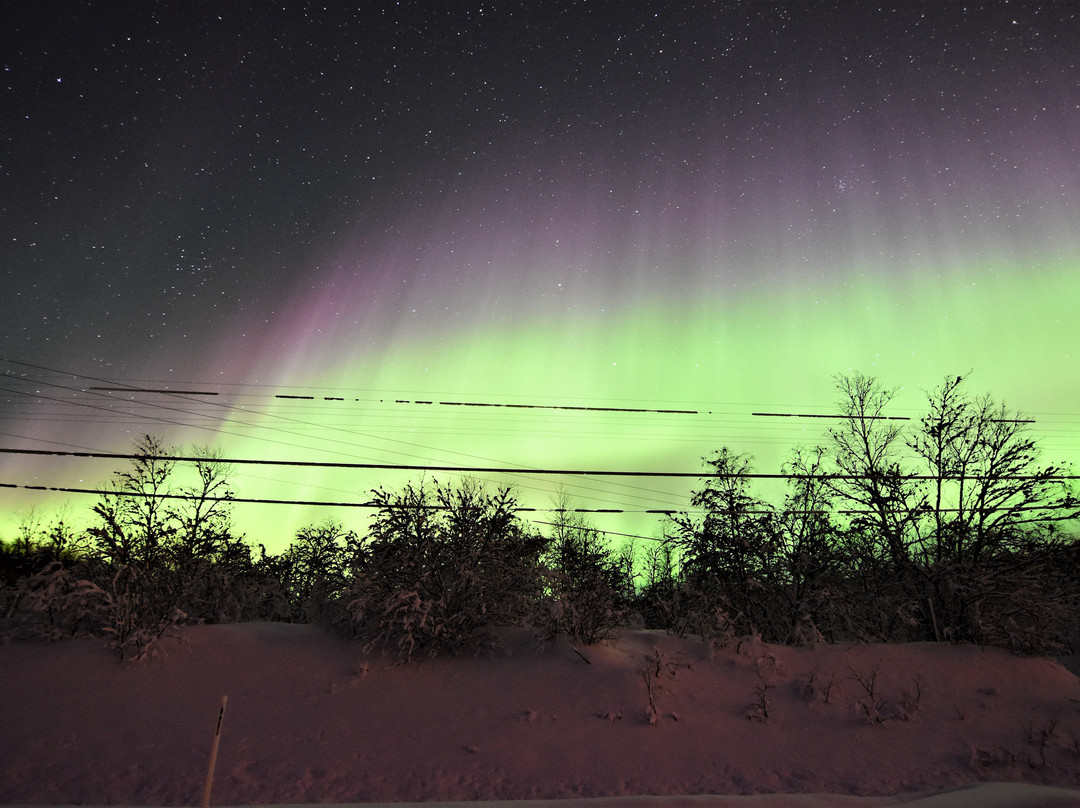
column 310, row 718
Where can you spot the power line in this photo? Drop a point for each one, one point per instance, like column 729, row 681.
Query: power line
column 382, row 466
column 323, row 426
column 827, row 415
column 316, row 503
column 519, row 509
column 275, row 416
column 306, row 400
column 591, row 529
column 299, row 397
column 539, row 471
column 135, row 386
column 148, row 390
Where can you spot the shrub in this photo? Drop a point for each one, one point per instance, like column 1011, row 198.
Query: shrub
column 438, row 567
column 54, row 603
column 138, row 612
column 313, row 572
column 588, row 587
column 732, row 558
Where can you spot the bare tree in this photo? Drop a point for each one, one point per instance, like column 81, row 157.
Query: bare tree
column 135, row 519
column 870, row 476
column 954, row 523
column 988, row 490
column 146, row 517
column 204, row 512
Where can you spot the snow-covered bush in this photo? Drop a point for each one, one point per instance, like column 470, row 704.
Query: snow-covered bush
column 313, row 571
column 656, row 597
column 439, row 566
column 139, row 612
column 54, row 603
column 588, row 584
column 126, row 604
column 1026, row 601
column 746, row 566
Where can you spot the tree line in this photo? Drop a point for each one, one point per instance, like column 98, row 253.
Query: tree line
column 949, row 530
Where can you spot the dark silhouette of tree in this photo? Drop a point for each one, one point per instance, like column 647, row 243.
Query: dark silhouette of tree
column 148, row 517
column 729, row 555
column 135, row 520
column 994, row 511
column 159, row 547
column 869, row 475
column 988, row 490
column 204, row 515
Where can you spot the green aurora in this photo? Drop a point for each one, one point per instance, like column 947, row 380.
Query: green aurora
column 766, row 351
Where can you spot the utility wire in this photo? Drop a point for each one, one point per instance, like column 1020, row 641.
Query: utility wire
column 256, row 412
column 259, row 501
column 432, row 398
column 423, row 467
column 522, row 509
column 541, row 471
column 298, row 397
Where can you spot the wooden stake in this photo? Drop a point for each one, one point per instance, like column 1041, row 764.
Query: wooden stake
column 213, row 755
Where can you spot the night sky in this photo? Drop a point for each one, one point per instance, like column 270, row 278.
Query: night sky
column 710, row 207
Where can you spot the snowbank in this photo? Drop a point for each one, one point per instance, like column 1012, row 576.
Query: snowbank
column 312, row 719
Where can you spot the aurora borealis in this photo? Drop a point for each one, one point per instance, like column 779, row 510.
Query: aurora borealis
column 703, row 206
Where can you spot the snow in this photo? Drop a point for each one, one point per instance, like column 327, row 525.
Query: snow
column 311, row 718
